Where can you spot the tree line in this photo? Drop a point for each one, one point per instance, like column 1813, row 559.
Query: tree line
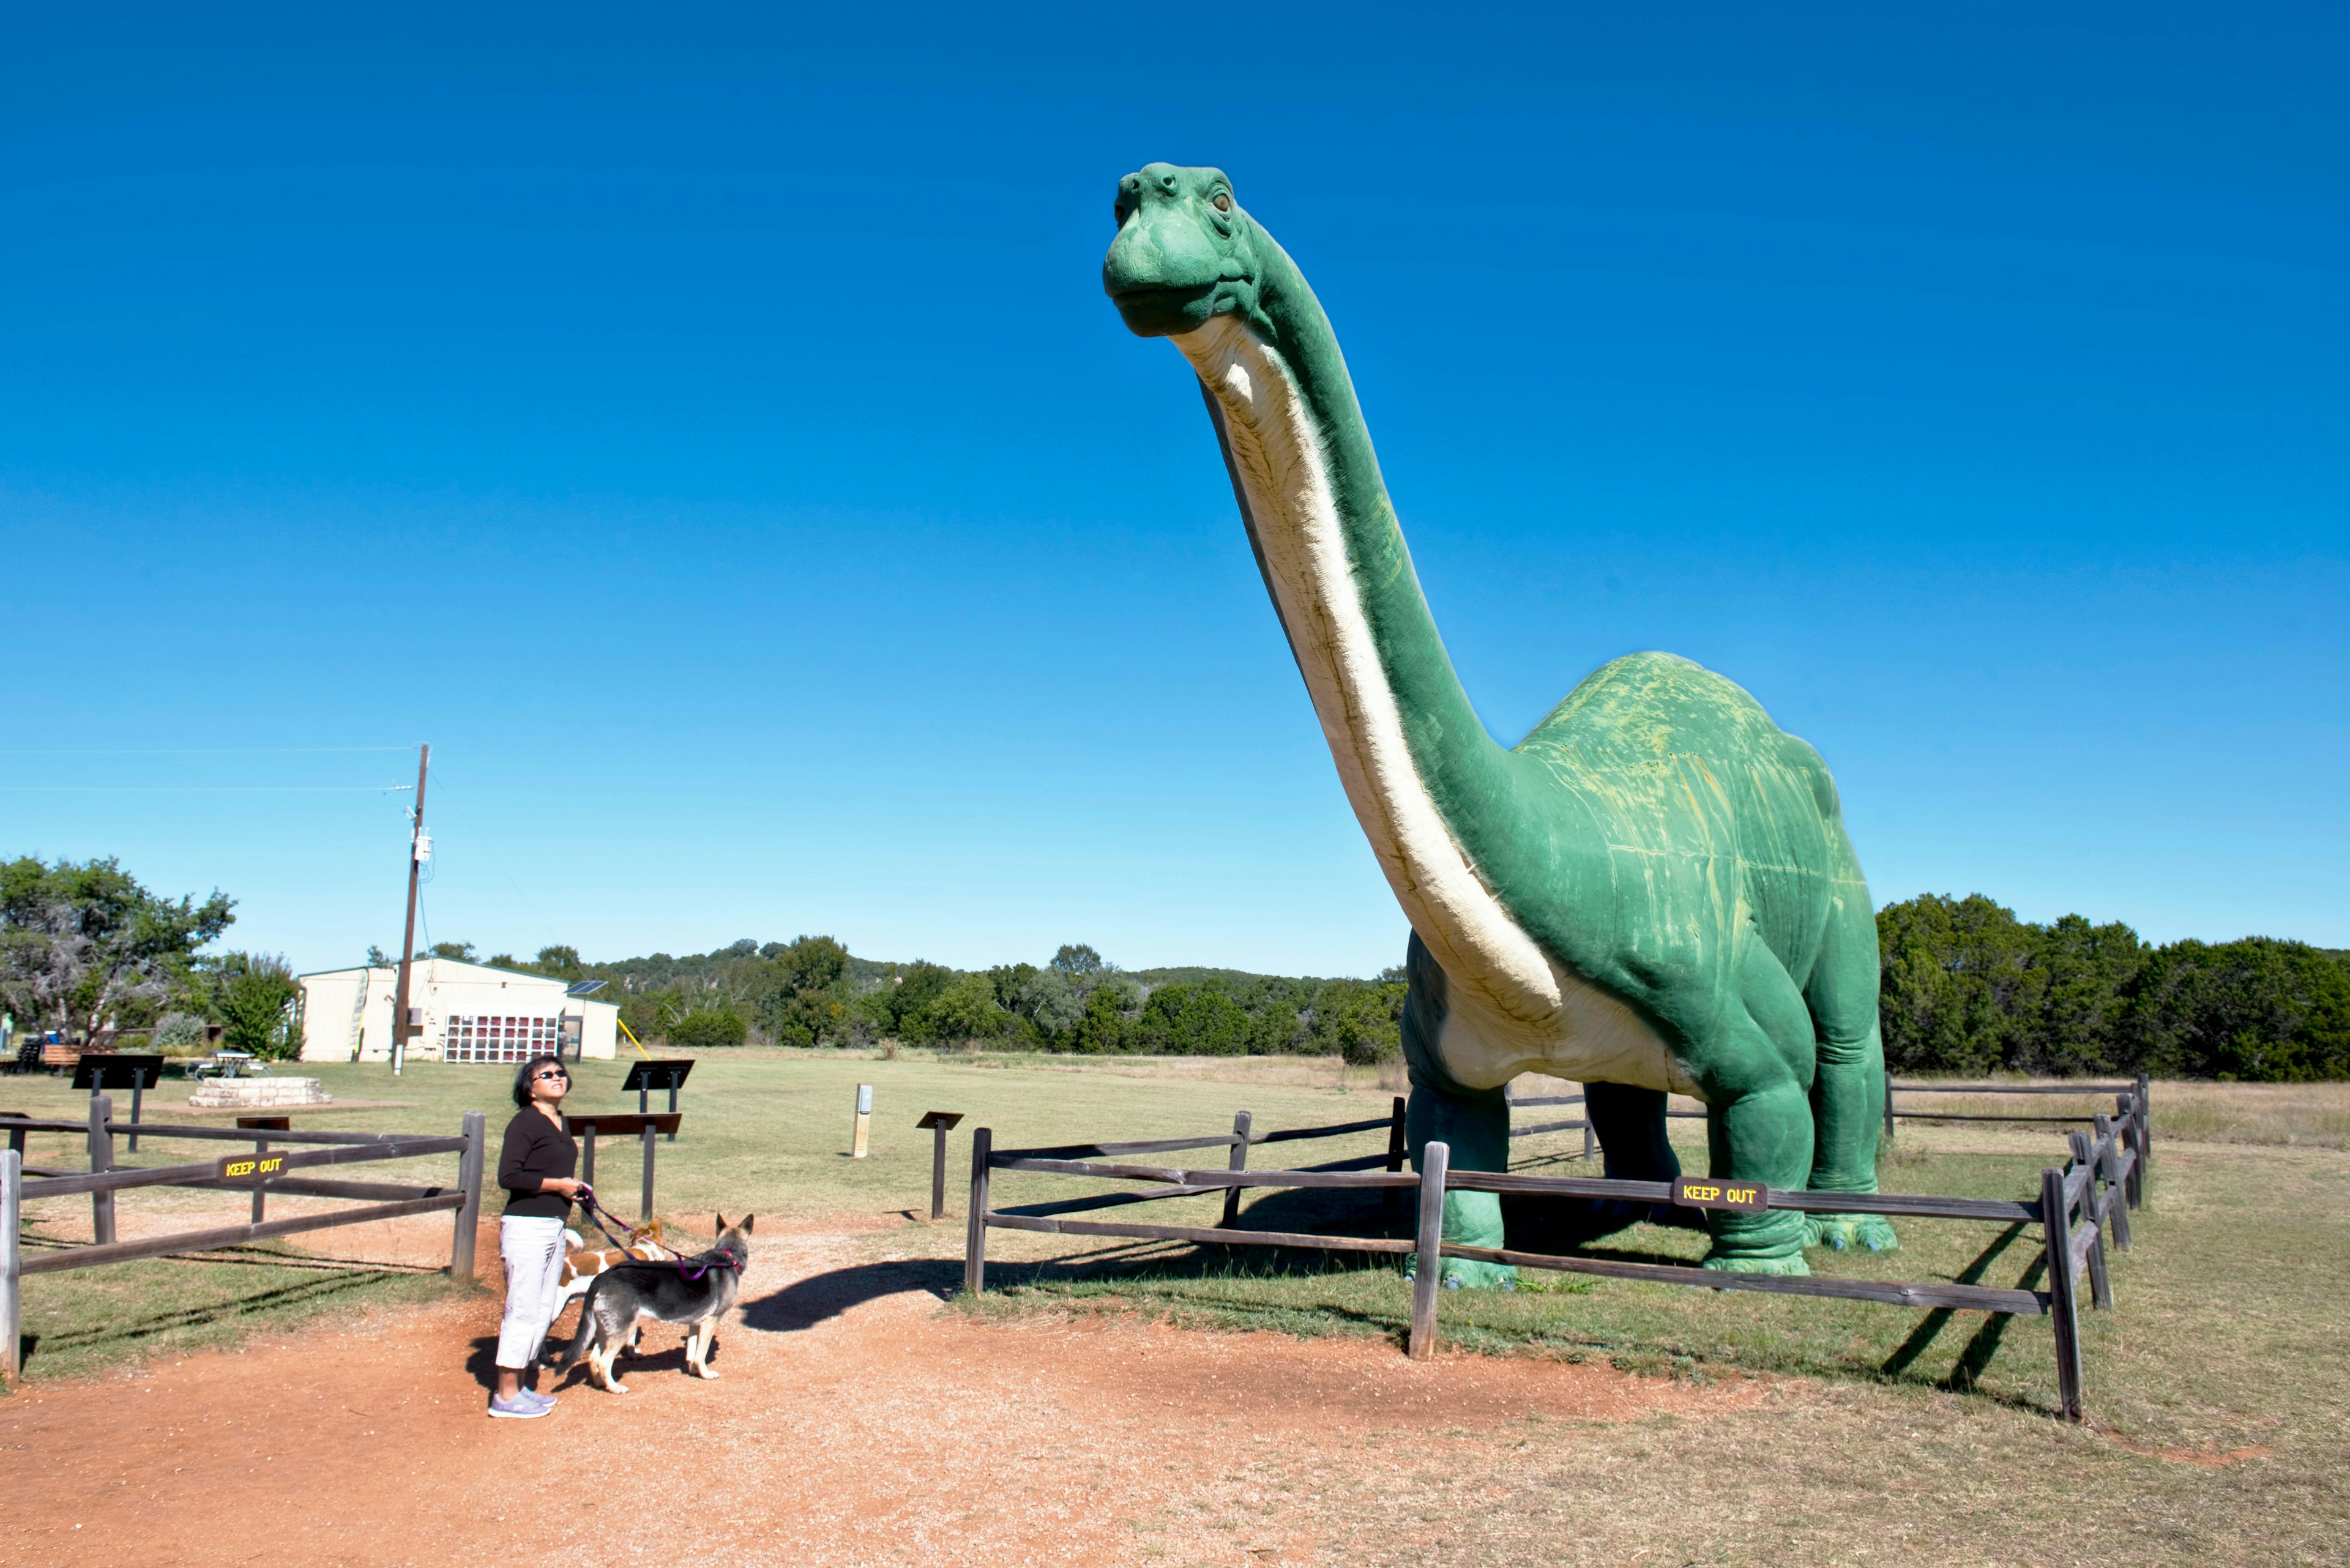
column 1966, row 988
column 814, row 992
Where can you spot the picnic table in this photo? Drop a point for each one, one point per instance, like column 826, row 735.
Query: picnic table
column 227, row 1064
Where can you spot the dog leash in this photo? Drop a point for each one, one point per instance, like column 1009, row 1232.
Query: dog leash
column 694, row 1270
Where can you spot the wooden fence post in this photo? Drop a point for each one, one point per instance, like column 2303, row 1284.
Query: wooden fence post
column 1391, row 1197
column 12, row 1303
column 1886, row 1073
column 469, row 1216
column 2145, row 1141
column 2117, row 1192
column 1239, row 1162
column 975, row 1245
column 101, row 1158
column 138, row 1091
column 2056, row 1224
column 2101, row 1293
column 1435, row 1159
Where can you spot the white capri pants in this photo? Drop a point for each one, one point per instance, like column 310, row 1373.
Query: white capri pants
column 532, row 1248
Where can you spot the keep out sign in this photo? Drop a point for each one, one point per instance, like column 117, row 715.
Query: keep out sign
column 249, row 1167
column 1710, row 1194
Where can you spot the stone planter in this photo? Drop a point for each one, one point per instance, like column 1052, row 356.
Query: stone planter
column 257, row 1094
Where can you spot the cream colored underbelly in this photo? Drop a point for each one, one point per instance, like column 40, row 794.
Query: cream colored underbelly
column 1592, row 1038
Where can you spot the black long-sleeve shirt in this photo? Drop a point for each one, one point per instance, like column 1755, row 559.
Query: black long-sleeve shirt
column 535, row 1150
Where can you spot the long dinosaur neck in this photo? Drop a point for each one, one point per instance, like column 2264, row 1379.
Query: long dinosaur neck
column 1417, row 765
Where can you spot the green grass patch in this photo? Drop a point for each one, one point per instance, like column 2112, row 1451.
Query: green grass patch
column 92, row 1321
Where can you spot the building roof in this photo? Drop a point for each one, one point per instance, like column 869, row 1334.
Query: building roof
column 436, row 962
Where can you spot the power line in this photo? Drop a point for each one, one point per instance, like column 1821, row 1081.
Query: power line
column 204, row 789
column 194, row 750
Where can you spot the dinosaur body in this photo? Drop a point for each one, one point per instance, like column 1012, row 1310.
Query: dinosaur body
column 1653, row 890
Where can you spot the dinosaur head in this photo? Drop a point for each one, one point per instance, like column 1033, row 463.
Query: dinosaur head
column 1184, row 253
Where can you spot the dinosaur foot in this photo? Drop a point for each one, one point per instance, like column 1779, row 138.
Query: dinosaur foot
column 1466, row 1275
column 1758, row 1263
column 1850, row 1233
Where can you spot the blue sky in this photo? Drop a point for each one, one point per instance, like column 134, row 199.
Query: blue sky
column 709, row 433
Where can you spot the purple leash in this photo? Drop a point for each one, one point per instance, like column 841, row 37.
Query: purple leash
column 694, row 1270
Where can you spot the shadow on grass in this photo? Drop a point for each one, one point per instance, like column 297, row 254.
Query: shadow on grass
column 1966, row 1376
column 304, row 1293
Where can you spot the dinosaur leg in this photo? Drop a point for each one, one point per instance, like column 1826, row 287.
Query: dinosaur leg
column 1477, row 1126
column 1757, row 1089
column 1475, row 1122
column 1629, row 1124
column 1849, row 1093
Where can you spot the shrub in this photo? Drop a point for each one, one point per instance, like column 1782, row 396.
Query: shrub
column 178, row 1032
column 710, row 1026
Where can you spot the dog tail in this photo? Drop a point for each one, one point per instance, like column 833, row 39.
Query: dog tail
column 584, row 1336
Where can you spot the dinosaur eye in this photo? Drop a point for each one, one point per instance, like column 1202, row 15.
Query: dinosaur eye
column 1223, row 202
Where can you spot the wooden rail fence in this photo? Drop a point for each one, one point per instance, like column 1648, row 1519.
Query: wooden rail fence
column 2077, row 1207
column 276, row 1153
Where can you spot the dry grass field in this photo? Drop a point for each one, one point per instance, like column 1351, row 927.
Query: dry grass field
column 1747, row 1428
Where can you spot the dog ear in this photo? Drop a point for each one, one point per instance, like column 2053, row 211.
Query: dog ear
column 749, row 1221
column 722, row 1225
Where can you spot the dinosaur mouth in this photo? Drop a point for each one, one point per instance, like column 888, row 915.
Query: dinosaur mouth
column 1163, row 293
column 1159, row 310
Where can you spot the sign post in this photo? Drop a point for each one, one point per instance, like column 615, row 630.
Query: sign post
column 110, row 1071
column 863, row 1121
column 940, row 1123
column 586, row 1128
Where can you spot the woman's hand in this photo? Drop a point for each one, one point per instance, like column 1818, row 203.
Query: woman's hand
column 563, row 1185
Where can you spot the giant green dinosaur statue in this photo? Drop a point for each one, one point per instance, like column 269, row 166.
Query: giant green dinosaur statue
column 1652, row 891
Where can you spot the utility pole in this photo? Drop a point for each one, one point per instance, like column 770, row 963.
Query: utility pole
column 408, row 942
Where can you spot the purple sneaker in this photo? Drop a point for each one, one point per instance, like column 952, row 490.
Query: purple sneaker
column 523, row 1407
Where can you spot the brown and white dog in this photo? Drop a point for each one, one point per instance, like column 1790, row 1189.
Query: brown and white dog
column 581, row 1263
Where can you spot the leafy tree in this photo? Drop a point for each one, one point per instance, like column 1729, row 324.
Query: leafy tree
column 918, row 984
column 78, row 941
column 802, row 996
column 702, row 1027
column 1009, row 981
column 1102, row 1028
column 1078, row 960
column 258, row 1004
column 1053, row 1002
column 1191, row 1020
column 560, row 960
column 963, row 1011
column 460, row 951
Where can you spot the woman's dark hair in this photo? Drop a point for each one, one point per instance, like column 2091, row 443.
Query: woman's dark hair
column 522, row 1077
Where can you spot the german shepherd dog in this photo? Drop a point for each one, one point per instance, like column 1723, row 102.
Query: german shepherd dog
column 666, row 1292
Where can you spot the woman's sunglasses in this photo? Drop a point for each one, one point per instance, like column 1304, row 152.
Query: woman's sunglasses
column 549, row 1077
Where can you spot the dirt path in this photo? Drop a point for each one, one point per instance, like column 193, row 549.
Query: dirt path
column 854, row 1422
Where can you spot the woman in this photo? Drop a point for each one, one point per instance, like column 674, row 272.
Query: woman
column 535, row 1167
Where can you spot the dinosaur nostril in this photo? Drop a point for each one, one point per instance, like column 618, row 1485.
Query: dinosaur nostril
column 1166, row 182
